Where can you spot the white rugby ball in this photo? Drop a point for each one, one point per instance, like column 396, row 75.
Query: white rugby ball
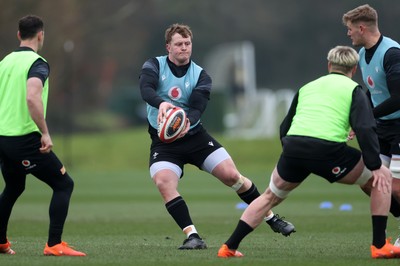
column 172, row 125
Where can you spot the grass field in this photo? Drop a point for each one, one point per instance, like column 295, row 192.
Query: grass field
column 117, row 216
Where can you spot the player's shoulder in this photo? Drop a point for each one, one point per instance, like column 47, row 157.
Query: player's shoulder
column 152, row 64
column 393, row 51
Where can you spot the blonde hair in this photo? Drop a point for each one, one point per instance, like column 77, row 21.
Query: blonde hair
column 364, row 13
column 343, row 58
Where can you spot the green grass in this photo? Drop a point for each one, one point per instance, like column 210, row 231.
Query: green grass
column 117, row 216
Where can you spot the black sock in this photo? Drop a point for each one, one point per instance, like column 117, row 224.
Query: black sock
column 54, row 235
column 250, row 195
column 379, row 224
column 178, row 209
column 241, row 231
column 395, row 208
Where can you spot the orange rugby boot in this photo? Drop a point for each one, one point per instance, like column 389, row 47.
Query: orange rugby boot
column 225, row 252
column 388, row 251
column 6, row 249
column 61, row 249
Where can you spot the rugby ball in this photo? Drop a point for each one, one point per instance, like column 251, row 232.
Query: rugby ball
column 172, row 125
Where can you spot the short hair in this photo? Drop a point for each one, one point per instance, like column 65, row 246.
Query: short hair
column 181, row 29
column 343, row 58
column 29, row 26
column 364, row 13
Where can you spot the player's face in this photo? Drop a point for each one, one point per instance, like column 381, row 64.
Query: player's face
column 354, row 31
column 179, row 49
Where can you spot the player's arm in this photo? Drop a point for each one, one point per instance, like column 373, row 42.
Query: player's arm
column 148, row 82
column 37, row 76
column 363, row 123
column 287, row 121
column 391, row 65
column 369, row 98
column 199, row 98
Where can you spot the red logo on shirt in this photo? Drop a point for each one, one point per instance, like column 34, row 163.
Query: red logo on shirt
column 175, row 93
column 336, row 170
column 370, row 81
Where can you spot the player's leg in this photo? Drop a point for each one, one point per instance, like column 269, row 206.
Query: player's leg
column 14, row 186
column 389, row 140
column 276, row 192
column 220, row 164
column 379, row 205
column 254, row 214
column 51, row 171
column 166, row 176
column 389, row 144
column 395, row 169
column 395, row 202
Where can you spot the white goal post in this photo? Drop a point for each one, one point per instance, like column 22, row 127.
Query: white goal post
column 249, row 112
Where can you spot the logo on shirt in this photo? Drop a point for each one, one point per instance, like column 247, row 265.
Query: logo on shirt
column 27, row 164
column 175, row 93
column 370, row 82
column 155, row 155
column 338, row 171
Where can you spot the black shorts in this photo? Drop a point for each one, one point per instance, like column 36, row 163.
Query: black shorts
column 389, row 136
column 191, row 149
column 303, row 156
column 21, row 155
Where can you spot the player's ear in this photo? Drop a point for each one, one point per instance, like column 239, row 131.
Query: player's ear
column 40, row 35
column 329, row 67
column 362, row 28
column 354, row 70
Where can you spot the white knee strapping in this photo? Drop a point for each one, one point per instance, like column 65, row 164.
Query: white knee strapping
column 238, row 183
column 395, row 166
column 155, row 167
column 364, row 177
column 214, row 159
column 278, row 192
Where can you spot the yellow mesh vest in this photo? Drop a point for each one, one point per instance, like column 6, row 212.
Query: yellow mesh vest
column 323, row 108
column 15, row 119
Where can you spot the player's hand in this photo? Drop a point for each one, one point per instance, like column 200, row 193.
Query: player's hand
column 162, row 110
column 186, row 129
column 351, row 135
column 47, row 143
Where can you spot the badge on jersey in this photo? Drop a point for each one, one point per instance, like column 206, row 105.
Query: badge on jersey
column 370, row 82
column 175, row 93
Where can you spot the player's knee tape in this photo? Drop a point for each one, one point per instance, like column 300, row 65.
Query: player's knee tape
column 238, row 183
column 364, row 177
column 214, row 159
column 157, row 166
column 278, row 192
column 395, row 166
